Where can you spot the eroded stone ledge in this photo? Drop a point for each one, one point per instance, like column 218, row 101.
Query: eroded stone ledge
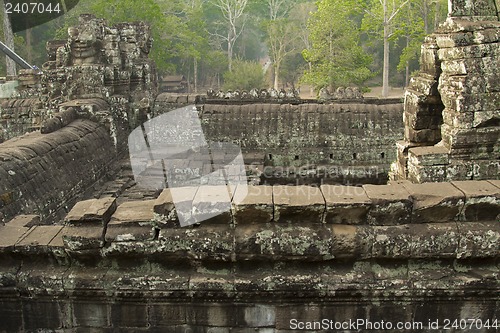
column 398, row 221
column 172, row 300
column 398, row 203
column 275, row 242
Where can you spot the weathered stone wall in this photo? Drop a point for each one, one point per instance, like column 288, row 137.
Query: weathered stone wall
column 44, row 174
column 350, row 141
column 452, row 108
column 165, row 102
column 400, row 252
column 89, row 300
column 355, row 139
column 19, row 116
column 286, row 134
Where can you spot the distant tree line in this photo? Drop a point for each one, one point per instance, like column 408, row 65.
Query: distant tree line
column 237, row 43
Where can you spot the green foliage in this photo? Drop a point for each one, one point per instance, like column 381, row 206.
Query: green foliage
column 213, row 64
column 406, row 28
column 189, row 33
column 292, row 68
column 193, row 37
column 336, row 57
column 420, row 18
column 245, row 75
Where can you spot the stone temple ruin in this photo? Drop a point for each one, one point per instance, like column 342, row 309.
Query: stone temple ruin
column 85, row 248
column 452, row 107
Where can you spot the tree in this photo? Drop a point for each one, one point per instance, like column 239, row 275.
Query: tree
column 233, row 12
column 419, row 19
column 282, row 36
column 245, row 75
column 300, row 15
column 336, row 57
column 194, row 38
column 214, row 64
column 412, row 29
column 380, row 19
column 278, row 8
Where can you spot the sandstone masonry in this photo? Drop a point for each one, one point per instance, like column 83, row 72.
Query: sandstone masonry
column 100, row 71
column 452, row 108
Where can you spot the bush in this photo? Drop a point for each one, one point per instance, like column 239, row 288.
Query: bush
column 245, row 75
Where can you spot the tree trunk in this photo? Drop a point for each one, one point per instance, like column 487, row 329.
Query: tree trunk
column 230, row 40
column 188, row 89
column 9, row 41
column 195, row 66
column 229, row 56
column 29, row 46
column 436, row 15
column 311, row 88
column 385, row 73
column 273, row 73
column 276, row 76
column 407, row 69
column 426, row 16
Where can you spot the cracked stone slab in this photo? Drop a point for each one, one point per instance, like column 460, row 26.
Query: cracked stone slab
column 345, row 204
column 206, row 242
column 434, row 240
column 93, row 211
column 435, row 202
column 39, row 236
column 24, row 221
column 10, row 235
column 212, row 204
column 173, row 202
column 482, row 200
column 79, row 238
column 351, row 241
column 278, row 241
column 253, row 204
column 164, row 204
column 125, row 232
column 391, row 204
column 298, row 204
column 133, row 212
column 495, row 183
